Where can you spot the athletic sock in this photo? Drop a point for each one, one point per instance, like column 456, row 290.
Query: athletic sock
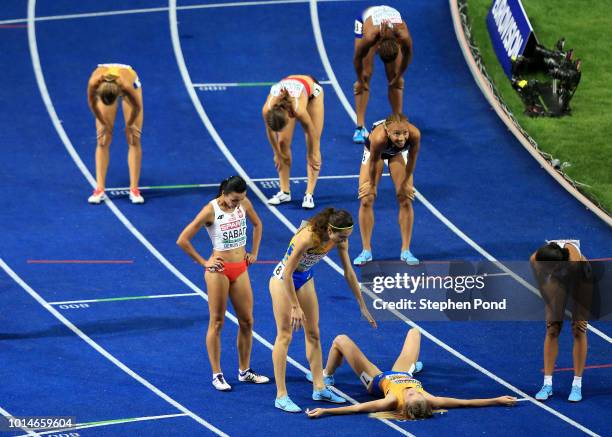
column 243, row 372
column 547, row 379
column 577, row 381
column 325, row 373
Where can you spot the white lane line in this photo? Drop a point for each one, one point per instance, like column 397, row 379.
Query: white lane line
column 40, row 80
column 216, row 185
column 244, row 84
column 116, row 299
column 349, row 109
column 109, row 422
column 223, row 148
column 103, row 351
column 70, row 148
column 328, row 69
column 180, row 60
column 161, row 9
column 29, row 431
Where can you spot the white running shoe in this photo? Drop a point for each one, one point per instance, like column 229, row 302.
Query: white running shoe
column 278, row 198
column 308, row 202
column 249, row 375
column 219, row 382
column 97, row 196
column 135, row 196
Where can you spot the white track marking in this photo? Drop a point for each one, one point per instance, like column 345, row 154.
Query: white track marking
column 103, row 351
column 180, row 60
column 329, row 71
column 109, row 422
column 154, row 10
column 223, row 148
column 29, row 431
column 60, row 130
column 297, row 178
column 242, row 84
column 102, row 300
column 431, row 208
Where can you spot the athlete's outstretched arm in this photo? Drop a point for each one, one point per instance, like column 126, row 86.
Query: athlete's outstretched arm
column 385, row 404
column 351, row 279
column 440, row 402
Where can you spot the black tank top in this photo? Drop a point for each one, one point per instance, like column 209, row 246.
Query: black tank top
column 389, row 150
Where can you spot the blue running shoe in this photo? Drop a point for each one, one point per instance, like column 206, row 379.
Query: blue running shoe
column 360, row 135
column 575, row 394
column 545, row 392
column 327, row 380
column 408, row 258
column 418, row 366
column 286, row 404
column 364, row 257
column 328, row 396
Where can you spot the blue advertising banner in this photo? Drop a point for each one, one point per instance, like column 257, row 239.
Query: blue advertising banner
column 510, row 31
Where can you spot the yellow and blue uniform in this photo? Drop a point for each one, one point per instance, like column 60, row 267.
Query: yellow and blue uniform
column 112, row 73
column 303, row 272
column 395, row 383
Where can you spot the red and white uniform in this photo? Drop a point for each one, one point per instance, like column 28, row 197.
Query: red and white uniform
column 229, row 230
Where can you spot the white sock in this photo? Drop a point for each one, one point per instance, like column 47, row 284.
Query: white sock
column 547, row 379
column 325, row 373
column 242, row 372
column 577, row 381
column 216, row 374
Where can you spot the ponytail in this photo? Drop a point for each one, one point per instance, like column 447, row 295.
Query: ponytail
column 277, row 118
column 233, row 184
column 337, row 219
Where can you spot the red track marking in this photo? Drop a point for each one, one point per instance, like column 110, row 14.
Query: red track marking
column 266, row 262
column 80, row 261
column 596, row 366
column 600, row 259
column 13, row 26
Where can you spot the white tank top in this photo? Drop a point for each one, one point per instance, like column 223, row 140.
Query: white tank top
column 380, row 13
column 563, row 243
column 229, row 230
column 295, row 88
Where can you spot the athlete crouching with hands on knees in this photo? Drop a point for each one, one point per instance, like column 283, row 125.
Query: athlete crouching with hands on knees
column 295, row 303
column 390, row 140
column 401, row 396
column 226, row 272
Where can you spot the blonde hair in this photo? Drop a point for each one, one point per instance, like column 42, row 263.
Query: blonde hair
column 413, row 410
column 108, row 92
column 395, row 118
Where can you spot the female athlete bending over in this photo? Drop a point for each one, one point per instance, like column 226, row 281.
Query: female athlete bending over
column 401, row 396
column 295, row 302
column 297, row 97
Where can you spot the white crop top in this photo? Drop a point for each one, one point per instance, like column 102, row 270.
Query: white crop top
column 380, row 13
column 229, row 230
column 295, row 88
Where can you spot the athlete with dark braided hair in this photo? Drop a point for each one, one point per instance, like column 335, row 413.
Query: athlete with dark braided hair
column 562, row 271
column 380, row 30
